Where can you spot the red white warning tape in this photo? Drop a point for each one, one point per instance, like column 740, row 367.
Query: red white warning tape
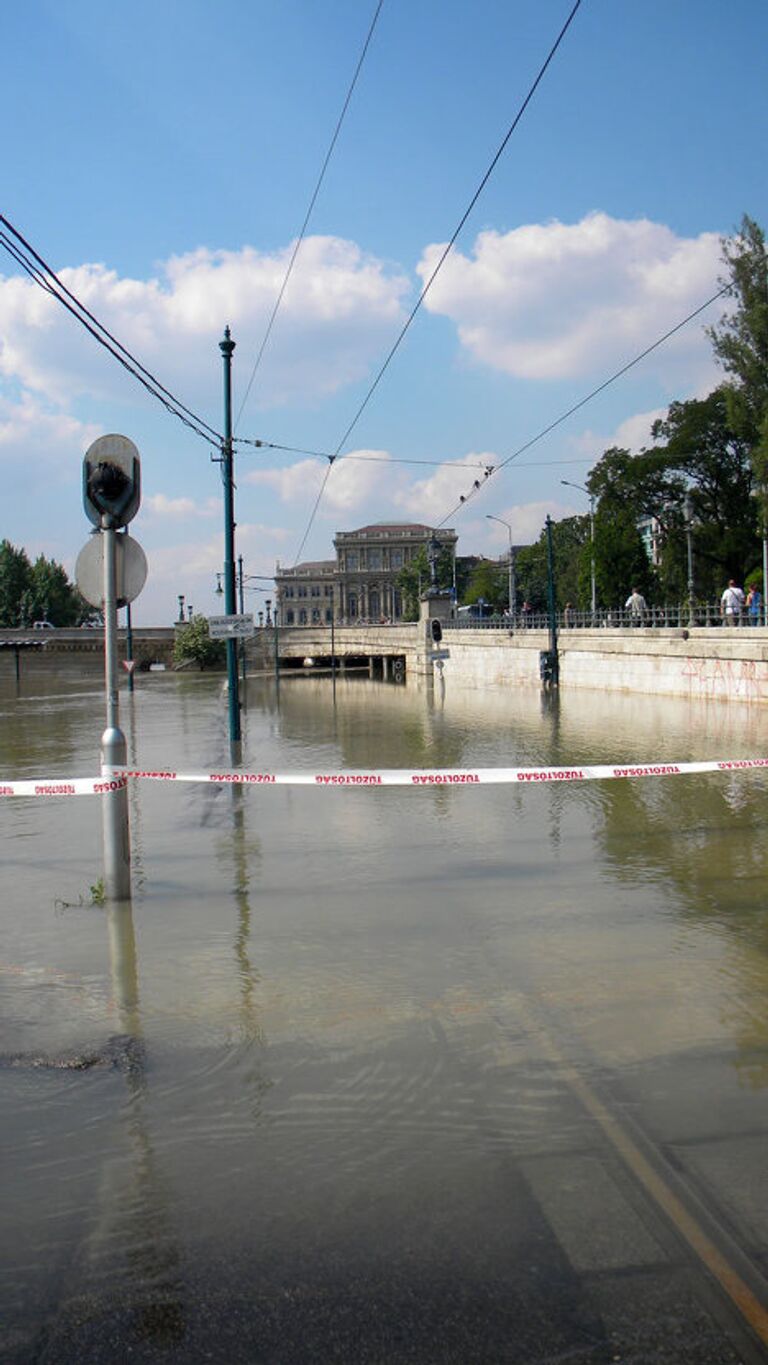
column 68, row 786
column 115, row 778
column 440, row 777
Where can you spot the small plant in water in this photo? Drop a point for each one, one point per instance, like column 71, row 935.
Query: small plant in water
column 98, row 894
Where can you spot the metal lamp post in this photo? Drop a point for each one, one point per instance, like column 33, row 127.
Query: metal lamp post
column 591, row 496
column 512, row 584
column 688, row 514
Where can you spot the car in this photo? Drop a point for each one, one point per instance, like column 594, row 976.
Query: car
column 43, row 625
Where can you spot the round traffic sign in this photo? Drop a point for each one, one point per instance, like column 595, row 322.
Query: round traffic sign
column 130, row 569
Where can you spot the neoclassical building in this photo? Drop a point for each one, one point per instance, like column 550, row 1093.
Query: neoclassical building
column 360, row 584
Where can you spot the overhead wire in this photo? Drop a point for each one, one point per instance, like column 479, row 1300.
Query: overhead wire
column 443, row 256
column 43, row 275
column 583, row 401
column 309, row 211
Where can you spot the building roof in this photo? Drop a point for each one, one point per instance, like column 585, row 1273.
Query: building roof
column 394, row 528
column 308, row 567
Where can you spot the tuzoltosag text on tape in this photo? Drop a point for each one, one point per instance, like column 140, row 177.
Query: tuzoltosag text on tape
column 115, row 778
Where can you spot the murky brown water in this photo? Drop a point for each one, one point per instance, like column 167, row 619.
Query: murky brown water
column 381, row 1074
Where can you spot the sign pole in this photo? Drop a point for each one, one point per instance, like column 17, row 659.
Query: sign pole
column 226, row 347
column 117, row 839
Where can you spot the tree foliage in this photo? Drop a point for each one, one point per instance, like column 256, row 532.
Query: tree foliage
column 487, row 582
column 571, row 564
column 193, row 644
column 740, row 341
column 39, row 591
column 414, row 579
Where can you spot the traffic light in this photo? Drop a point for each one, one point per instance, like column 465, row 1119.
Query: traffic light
column 436, row 630
column 111, row 481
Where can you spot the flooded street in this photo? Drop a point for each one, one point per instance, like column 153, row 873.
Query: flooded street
column 467, row 1075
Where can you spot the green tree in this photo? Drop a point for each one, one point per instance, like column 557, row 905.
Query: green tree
column 702, row 448
column 571, row 554
column 487, row 581
column 193, row 644
column 740, row 343
column 53, row 596
column 15, row 586
column 621, row 559
column 740, row 340
column 414, row 579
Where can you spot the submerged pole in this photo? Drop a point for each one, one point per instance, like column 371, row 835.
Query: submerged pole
column 117, row 843
column 226, row 347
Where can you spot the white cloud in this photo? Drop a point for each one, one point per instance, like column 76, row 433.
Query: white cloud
column 526, row 520
column 352, row 482
column 339, row 309
column 553, row 301
column 33, row 434
column 160, row 506
column 431, row 498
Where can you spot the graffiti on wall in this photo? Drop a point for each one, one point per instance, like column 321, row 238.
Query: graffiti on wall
column 742, row 679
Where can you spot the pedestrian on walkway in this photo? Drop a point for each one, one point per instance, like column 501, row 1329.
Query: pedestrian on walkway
column 636, row 606
column 754, row 606
column 732, row 604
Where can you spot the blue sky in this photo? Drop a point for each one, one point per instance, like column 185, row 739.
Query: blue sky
column 161, row 158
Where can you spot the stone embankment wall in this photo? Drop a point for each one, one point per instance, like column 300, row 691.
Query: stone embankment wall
column 726, row 664
column 723, row 664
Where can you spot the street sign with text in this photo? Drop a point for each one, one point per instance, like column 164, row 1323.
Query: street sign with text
column 231, row 627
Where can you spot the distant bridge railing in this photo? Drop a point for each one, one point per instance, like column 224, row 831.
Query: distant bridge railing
column 674, row 617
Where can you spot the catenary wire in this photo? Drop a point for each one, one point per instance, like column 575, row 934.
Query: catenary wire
column 43, row 275
column 404, row 329
column 309, row 211
column 583, row 401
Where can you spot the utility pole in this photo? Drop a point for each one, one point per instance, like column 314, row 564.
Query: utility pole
column 553, row 662
column 226, row 347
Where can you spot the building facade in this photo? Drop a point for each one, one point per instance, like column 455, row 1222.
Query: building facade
column 360, row 584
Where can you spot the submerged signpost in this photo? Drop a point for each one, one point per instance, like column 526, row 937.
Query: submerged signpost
column 111, row 571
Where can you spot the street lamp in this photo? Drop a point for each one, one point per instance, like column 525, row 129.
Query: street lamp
column 512, row 584
column 591, row 497
column 181, row 606
column 688, row 514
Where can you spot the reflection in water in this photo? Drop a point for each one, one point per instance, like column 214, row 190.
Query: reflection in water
column 376, row 953
column 130, row 1260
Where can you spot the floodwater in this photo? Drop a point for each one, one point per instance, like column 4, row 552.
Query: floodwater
column 378, row 1075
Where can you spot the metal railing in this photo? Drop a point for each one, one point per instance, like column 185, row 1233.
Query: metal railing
column 670, row 617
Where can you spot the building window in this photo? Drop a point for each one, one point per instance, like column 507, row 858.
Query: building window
column 302, row 617
column 352, row 561
column 289, row 618
column 315, row 616
column 328, row 590
column 374, row 559
column 397, row 559
column 352, row 604
column 315, row 591
column 328, row 616
column 288, row 592
column 302, row 592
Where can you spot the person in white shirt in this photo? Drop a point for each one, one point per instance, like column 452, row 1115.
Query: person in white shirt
column 636, row 606
column 732, row 604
